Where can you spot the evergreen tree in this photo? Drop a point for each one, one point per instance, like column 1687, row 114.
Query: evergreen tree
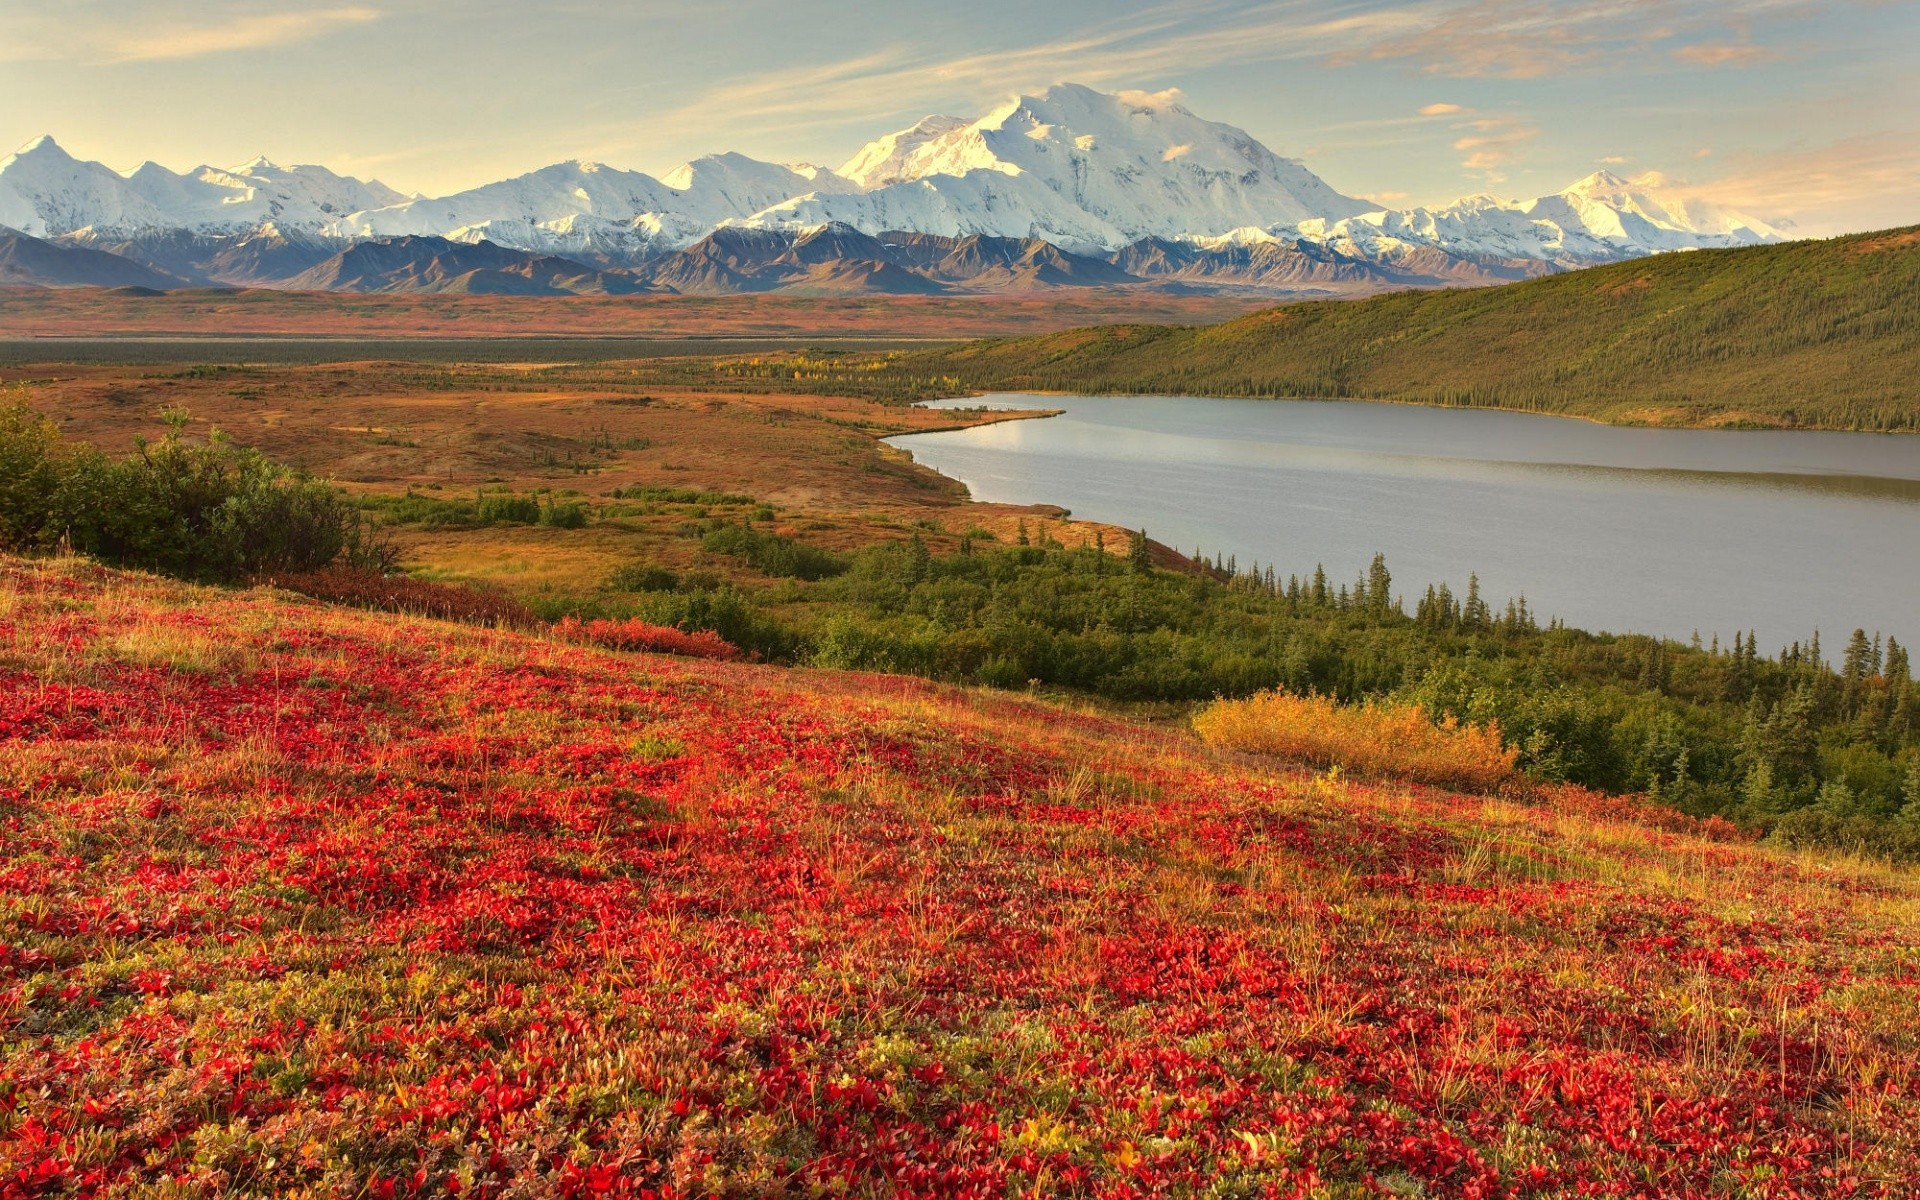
column 1858, row 663
column 1379, row 585
column 1476, row 614
column 1138, row 556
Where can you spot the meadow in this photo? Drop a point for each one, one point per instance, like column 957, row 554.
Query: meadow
column 778, row 521
column 298, row 900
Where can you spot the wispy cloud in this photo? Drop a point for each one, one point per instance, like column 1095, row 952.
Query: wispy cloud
column 1726, row 54
column 155, row 35
column 1868, row 181
column 243, row 33
column 1531, row 39
column 1492, row 144
column 1126, row 52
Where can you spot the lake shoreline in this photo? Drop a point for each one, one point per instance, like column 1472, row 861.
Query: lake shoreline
column 1466, row 495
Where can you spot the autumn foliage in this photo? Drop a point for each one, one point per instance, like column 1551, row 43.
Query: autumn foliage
column 635, row 634
column 417, row 597
column 298, row 900
column 1373, row 737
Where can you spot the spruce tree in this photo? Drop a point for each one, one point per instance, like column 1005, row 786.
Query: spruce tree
column 1379, row 585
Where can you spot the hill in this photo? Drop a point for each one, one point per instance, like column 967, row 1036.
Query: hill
column 297, row 900
column 27, row 262
column 1806, row 334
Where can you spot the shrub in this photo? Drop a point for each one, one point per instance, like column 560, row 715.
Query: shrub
column 640, row 577
column 569, row 514
column 508, row 510
column 635, row 634
column 772, row 554
column 214, row 511
column 398, row 593
column 1375, row 738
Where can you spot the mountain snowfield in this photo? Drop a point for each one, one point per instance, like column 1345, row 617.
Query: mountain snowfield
column 1094, row 174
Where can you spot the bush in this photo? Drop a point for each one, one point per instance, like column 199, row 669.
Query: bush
column 1375, row 738
column 635, row 634
column 772, row 554
column 399, row 593
column 640, row 577
column 564, row 514
column 508, row 510
column 213, row 512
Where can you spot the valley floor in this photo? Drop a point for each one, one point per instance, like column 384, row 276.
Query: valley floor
column 297, row 900
column 99, row 312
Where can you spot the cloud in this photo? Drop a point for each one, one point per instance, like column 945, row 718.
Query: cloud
column 1441, row 110
column 242, row 33
column 115, row 32
column 1867, row 181
column 1613, row 160
column 1492, row 144
column 1141, row 47
column 1531, row 39
column 1726, row 54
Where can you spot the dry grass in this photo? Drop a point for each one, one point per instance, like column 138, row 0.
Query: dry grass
column 1373, row 738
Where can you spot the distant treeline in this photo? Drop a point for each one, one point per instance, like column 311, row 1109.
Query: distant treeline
column 1805, row 334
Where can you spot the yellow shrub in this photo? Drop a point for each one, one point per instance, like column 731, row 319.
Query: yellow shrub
column 1377, row 738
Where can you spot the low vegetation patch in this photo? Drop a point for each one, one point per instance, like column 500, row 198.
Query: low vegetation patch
column 210, row 511
column 639, row 635
column 305, row 901
column 1373, row 737
column 402, row 594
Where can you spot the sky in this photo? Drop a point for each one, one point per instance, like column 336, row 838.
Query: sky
column 1801, row 112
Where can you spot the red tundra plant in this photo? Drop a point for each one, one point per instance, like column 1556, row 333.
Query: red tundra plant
column 309, row 901
column 635, row 634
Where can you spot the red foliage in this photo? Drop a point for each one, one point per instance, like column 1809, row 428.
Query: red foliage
column 635, row 634
column 402, row 594
column 376, row 909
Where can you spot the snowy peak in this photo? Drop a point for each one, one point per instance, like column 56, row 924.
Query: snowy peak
column 884, row 160
column 1081, row 168
column 1611, row 206
column 1601, row 218
column 68, row 195
column 1089, row 172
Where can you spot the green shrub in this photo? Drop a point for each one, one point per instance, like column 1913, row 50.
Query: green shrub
column 641, row 577
column 507, row 509
column 214, row 511
column 772, row 554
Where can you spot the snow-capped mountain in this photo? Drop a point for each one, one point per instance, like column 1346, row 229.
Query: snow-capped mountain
column 1602, row 218
column 588, row 209
column 1132, row 179
column 66, row 195
column 1082, row 169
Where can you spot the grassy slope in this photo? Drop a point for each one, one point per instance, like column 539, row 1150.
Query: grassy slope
column 296, row 900
column 1822, row 334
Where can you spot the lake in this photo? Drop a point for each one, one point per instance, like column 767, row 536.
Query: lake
column 1661, row 531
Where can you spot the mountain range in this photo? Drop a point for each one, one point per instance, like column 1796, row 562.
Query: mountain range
column 1070, row 186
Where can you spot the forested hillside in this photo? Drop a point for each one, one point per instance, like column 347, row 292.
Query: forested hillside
column 1807, row 334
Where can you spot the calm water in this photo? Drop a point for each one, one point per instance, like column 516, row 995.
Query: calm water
column 1644, row 530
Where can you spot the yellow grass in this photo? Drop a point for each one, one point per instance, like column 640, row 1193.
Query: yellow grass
column 1375, row 738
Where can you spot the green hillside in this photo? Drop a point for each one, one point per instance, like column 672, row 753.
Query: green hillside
column 1812, row 334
